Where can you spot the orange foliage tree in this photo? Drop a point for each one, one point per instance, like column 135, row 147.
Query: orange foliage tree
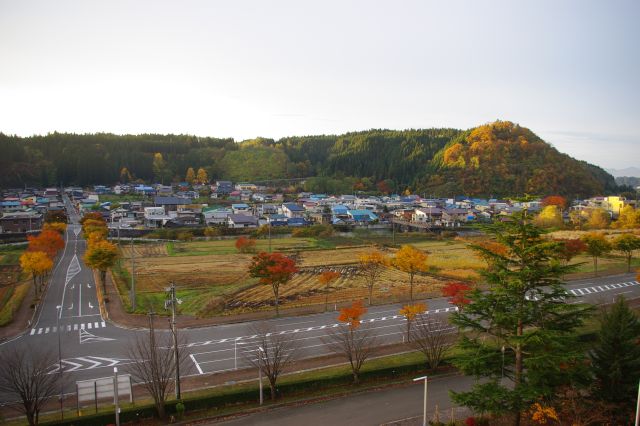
column 246, row 245
column 273, row 269
column 59, row 227
column 570, row 248
column 371, row 266
column 410, row 260
column 101, row 255
column 91, row 216
column 352, row 341
column 49, row 242
column 326, row 278
column 555, row 200
column 38, row 264
column 410, row 312
column 456, row 292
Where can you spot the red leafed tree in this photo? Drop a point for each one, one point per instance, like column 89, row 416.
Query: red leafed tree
column 246, row 245
column 49, row 242
column 352, row 314
column 273, row 269
column 571, row 248
column 555, row 200
column 456, row 292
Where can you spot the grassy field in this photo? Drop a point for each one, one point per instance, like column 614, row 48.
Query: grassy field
column 212, row 279
column 14, row 285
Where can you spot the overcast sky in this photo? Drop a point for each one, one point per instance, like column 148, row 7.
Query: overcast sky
column 568, row 70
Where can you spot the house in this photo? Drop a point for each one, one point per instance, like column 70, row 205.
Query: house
column 144, row 190
column 215, row 215
column 223, row 187
column 267, row 209
column 362, row 216
column 241, row 221
column 164, row 190
column 20, row 222
column 614, row 204
column 155, row 217
column 291, row 210
column 431, row 214
column 170, row 203
column 241, row 208
column 454, row 216
column 296, row 221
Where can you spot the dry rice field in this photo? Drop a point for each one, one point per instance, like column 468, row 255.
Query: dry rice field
column 214, row 284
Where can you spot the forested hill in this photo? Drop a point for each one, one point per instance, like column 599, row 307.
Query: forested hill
column 500, row 158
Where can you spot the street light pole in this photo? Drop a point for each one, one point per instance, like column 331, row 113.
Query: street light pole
column 176, row 356
column 638, row 406
column 59, row 314
column 132, row 295
column 424, row 407
column 260, row 352
column 115, row 395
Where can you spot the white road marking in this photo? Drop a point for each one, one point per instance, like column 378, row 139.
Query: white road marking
column 33, row 331
column 196, row 363
column 90, row 305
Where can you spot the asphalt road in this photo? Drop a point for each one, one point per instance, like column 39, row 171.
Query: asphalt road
column 90, row 346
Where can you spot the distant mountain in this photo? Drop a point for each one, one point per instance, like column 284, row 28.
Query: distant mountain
column 628, row 172
column 497, row 159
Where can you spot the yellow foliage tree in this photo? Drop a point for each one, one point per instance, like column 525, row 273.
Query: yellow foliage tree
column 37, row 263
column 410, row 312
column 202, row 176
column 326, row 278
column 191, row 176
column 372, row 265
column 410, row 260
column 549, row 217
column 598, row 219
column 59, row 227
column 629, row 218
column 101, row 256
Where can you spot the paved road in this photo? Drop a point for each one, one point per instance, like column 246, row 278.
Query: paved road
column 369, row 408
column 91, row 346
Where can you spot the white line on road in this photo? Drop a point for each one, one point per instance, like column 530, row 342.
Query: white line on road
column 196, row 363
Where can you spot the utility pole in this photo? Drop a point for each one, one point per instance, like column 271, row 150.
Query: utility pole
column 132, row 290
column 173, row 301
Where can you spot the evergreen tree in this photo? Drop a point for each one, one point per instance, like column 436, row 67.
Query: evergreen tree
column 522, row 310
column 616, row 358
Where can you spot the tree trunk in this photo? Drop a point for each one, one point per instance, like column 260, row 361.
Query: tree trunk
column 595, row 265
column 161, row 411
column 103, row 280
column 629, row 263
column 35, row 284
column 411, row 287
column 518, row 371
column 356, row 379
column 408, row 330
column 326, row 297
column 273, row 392
column 370, row 294
column 275, row 294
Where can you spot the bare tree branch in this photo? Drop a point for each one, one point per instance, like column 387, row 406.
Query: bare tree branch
column 432, row 336
column 277, row 354
column 356, row 344
column 31, row 376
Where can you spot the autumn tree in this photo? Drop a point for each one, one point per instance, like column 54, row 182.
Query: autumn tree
column 26, row 377
column 432, row 335
column 627, row 219
column 371, row 265
column 457, row 293
column 615, row 360
column 245, row 245
column 92, row 216
column 36, row 263
column 523, row 309
column 555, row 200
column 125, row 175
column 273, row 269
column 161, row 170
column 202, row 177
column 101, row 256
column 412, row 261
column 273, row 353
column 55, row 216
column 596, row 246
column 570, row 248
column 48, row 241
column 326, row 278
column 598, row 219
column 550, row 217
column 59, row 227
column 410, row 312
column 191, row 176
column 627, row 244
column 352, row 339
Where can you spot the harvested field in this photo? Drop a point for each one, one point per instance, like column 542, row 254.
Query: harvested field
column 145, row 250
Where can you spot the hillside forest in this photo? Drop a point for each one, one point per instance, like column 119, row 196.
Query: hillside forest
column 495, row 159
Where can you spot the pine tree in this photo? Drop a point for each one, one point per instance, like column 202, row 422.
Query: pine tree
column 616, row 357
column 523, row 310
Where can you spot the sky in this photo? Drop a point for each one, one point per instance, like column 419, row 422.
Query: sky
column 568, row 70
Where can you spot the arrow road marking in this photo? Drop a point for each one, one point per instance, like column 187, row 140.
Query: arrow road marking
column 86, row 337
column 73, row 269
column 87, row 363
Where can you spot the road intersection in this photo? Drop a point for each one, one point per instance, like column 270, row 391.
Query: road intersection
column 91, row 346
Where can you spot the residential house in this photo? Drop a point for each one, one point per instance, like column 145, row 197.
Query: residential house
column 170, row 203
column 216, row 215
column 26, row 221
column 362, row 216
column 223, row 187
column 291, row 210
column 427, row 215
column 155, row 217
column 241, row 208
column 242, row 221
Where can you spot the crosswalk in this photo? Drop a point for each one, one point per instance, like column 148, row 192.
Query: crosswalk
column 601, row 288
column 67, row 328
